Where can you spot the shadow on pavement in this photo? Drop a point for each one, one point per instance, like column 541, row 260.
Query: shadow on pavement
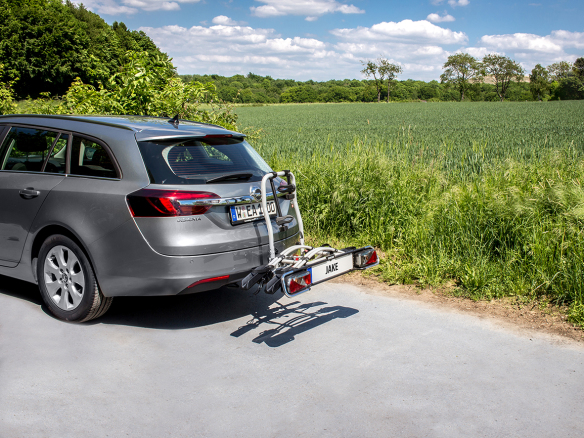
column 284, row 321
column 303, row 317
column 164, row 312
column 185, row 311
column 21, row 290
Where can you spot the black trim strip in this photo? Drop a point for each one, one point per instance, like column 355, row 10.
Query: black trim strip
column 69, row 118
column 44, row 166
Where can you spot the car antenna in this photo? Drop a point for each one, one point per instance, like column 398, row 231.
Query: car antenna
column 174, row 121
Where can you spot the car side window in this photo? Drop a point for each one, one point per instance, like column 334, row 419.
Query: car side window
column 89, row 158
column 26, row 149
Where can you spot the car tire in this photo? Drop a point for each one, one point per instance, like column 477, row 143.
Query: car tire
column 67, row 282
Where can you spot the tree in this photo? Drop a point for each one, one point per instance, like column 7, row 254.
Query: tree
column 569, row 88
column 539, row 81
column 7, row 105
column 337, row 93
column 460, row 70
column 579, row 73
column 559, row 70
column 304, row 93
column 143, row 86
column 42, row 45
column 388, row 71
column 503, row 70
column 48, row 43
column 579, row 68
column 371, row 69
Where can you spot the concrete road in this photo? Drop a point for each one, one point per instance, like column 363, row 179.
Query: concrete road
column 335, row 362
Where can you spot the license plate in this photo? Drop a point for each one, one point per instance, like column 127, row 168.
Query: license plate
column 250, row 212
column 332, row 268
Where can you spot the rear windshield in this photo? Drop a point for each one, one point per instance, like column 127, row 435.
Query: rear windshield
column 196, row 161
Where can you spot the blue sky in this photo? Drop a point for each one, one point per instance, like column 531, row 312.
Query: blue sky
column 327, row 39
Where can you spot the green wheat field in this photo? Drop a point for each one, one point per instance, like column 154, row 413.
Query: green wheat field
column 486, row 195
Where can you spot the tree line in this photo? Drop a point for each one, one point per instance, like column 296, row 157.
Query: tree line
column 495, row 77
column 253, row 88
column 560, row 80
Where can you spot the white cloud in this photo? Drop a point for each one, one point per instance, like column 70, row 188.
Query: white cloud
column 350, row 9
column 406, row 31
column 149, row 5
column 530, row 49
column 229, row 50
column 437, row 18
column 113, row 7
column 236, row 49
column 310, row 8
column 106, row 7
column 455, row 3
column 420, row 47
column 568, row 39
column 521, row 42
column 477, row 52
column 226, row 21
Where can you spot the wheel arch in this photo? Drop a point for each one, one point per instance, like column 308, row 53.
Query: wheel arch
column 50, row 230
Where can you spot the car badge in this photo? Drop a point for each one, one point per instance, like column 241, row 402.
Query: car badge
column 256, row 193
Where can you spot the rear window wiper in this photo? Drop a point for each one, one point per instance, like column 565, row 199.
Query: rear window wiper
column 231, row 176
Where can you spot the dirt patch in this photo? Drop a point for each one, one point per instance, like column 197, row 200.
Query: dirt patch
column 528, row 318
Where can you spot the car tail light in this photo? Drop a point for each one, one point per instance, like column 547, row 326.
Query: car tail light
column 167, row 203
column 366, row 258
column 209, row 280
column 298, row 282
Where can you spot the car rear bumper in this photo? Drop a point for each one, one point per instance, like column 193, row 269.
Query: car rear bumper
column 137, row 270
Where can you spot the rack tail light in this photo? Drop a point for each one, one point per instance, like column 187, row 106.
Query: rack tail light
column 298, row 282
column 365, row 259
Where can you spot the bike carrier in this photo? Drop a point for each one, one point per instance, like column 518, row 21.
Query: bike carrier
column 299, row 267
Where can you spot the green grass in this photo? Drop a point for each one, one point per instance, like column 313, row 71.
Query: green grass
column 486, row 194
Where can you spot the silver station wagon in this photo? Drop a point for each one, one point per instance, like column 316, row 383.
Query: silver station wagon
column 97, row 207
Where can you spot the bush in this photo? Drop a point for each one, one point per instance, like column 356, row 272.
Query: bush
column 7, row 105
column 304, row 93
column 499, row 234
column 145, row 85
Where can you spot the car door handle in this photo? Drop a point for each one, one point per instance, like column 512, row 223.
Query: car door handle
column 29, row 193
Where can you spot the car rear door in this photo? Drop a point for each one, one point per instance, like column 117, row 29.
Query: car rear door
column 32, row 163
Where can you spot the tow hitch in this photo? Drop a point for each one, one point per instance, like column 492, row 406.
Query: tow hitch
column 296, row 269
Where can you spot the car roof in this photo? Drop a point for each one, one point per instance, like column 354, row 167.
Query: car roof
column 146, row 128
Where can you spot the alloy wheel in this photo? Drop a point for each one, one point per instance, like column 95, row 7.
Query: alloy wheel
column 64, row 277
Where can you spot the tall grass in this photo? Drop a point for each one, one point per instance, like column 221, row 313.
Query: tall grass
column 489, row 196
